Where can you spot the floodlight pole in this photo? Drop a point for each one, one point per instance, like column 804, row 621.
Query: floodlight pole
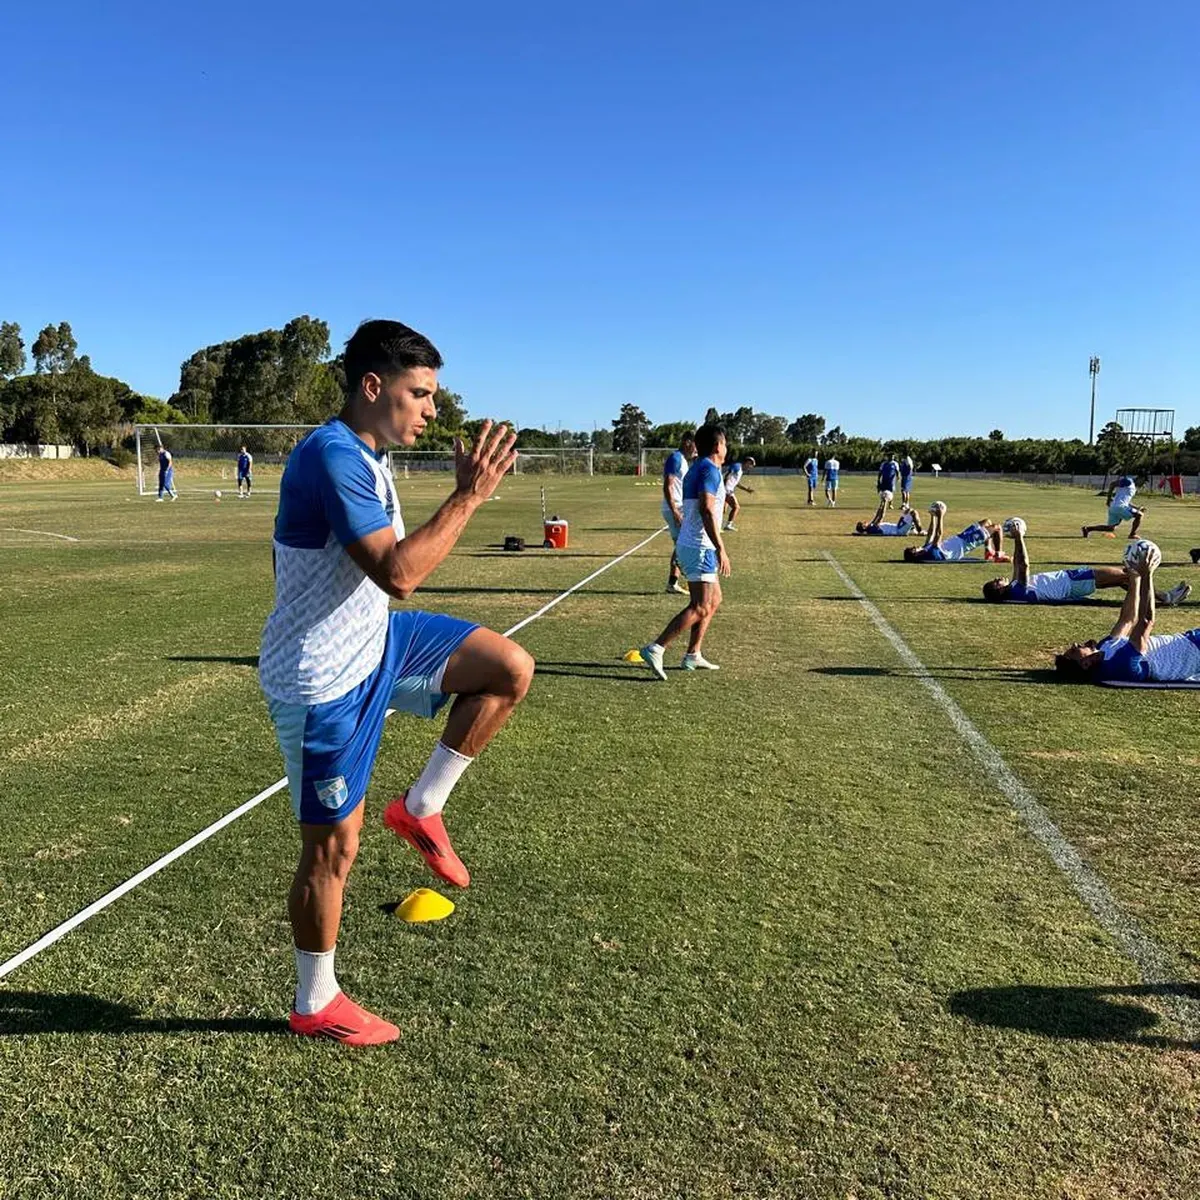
column 1093, row 370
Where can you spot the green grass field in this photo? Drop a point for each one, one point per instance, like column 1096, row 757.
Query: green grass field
column 770, row 932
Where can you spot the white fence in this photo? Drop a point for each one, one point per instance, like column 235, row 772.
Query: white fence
column 32, row 450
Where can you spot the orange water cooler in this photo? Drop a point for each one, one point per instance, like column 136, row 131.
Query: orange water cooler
column 555, row 532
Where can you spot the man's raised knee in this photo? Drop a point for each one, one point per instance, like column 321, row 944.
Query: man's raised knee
column 519, row 665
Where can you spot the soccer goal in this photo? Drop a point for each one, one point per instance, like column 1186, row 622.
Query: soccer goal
column 204, row 457
column 406, row 464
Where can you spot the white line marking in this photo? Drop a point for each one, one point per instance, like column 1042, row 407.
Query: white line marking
column 61, row 931
column 1151, row 959
column 40, row 533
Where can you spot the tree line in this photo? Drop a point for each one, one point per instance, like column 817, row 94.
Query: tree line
column 290, row 376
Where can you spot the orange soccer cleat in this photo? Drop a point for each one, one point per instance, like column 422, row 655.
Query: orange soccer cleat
column 428, row 836
column 341, row 1020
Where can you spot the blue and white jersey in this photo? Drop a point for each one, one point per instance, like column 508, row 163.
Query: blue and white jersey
column 732, row 478
column 1121, row 661
column 900, row 528
column 244, row 463
column 164, row 460
column 327, row 631
column 704, row 479
column 1174, row 657
column 906, row 471
column 674, row 469
column 889, row 471
column 956, row 548
column 1126, row 490
column 810, row 469
column 1054, row 587
column 832, row 467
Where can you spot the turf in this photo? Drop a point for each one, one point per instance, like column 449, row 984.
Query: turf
column 768, row 932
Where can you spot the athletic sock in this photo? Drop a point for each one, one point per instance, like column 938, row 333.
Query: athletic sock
column 316, row 984
column 430, row 793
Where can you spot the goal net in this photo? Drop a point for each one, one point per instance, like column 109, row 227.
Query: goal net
column 408, row 463
column 204, row 457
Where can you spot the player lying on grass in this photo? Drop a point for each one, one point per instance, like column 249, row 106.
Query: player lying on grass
column 939, row 548
column 674, row 469
column 909, row 522
column 1120, row 508
column 701, row 554
column 1132, row 653
column 733, row 481
column 1060, row 587
column 334, row 659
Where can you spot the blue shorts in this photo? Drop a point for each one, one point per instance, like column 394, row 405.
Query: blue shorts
column 244, row 476
column 812, row 481
column 329, row 749
column 1120, row 512
column 698, row 565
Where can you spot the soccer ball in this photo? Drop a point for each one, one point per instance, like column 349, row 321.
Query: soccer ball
column 887, row 496
column 217, row 495
column 1142, row 553
column 938, row 506
column 1014, row 525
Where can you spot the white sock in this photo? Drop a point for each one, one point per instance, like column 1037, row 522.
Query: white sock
column 430, row 793
column 316, row 984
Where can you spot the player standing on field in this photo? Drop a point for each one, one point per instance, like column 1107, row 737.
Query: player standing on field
column 701, row 552
column 166, row 474
column 334, row 660
column 733, row 481
column 832, row 467
column 245, row 472
column 810, row 475
column 906, row 476
column 1120, row 508
column 674, row 469
column 885, row 483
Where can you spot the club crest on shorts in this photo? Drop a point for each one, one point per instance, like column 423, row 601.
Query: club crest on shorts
column 332, row 793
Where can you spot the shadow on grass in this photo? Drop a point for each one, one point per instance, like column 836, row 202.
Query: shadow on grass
column 25, row 1013
column 1094, row 1014
column 988, row 674
column 613, row 672
column 243, row 660
column 520, row 591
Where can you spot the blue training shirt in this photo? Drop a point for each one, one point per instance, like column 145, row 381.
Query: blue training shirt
column 704, row 479
column 888, row 472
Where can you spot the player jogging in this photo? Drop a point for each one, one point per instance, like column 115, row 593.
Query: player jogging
column 832, row 467
column 701, row 553
column 1060, row 587
column 906, row 476
column 733, row 481
column 1132, row 653
column 674, row 470
column 939, row 548
column 245, row 472
column 166, row 474
column 334, row 660
column 910, row 522
column 1120, row 508
column 885, row 481
column 811, row 468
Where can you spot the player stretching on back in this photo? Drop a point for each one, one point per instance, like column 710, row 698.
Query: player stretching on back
column 810, row 474
column 832, row 467
column 1060, row 587
column 733, row 481
column 334, row 660
column 1132, row 653
column 701, row 554
column 1120, row 508
column 939, row 548
column 906, row 474
column 674, row 469
column 910, row 522
column 885, row 481
column 245, row 472
column 166, row 474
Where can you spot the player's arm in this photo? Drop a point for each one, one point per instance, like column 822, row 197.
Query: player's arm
column 399, row 567
column 1020, row 558
column 1139, row 637
column 711, row 507
column 745, row 488
column 1129, row 606
column 670, row 499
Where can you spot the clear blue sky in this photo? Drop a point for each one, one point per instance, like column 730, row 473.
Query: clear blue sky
column 914, row 218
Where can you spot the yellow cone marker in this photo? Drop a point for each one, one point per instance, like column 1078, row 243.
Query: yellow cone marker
column 424, row 905
column 633, row 656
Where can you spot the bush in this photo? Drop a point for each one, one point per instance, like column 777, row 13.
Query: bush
column 119, row 456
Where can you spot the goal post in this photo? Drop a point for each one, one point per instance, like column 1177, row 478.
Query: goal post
column 204, row 457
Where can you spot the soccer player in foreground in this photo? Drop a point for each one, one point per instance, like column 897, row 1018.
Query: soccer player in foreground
column 1060, row 587
column 832, row 468
column 1120, row 508
column 674, row 469
column 910, row 522
column 1132, row 653
column 701, row 554
column 810, row 474
column 334, row 659
column 166, row 474
column 245, row 472
column 733, row 481
column 939, row 548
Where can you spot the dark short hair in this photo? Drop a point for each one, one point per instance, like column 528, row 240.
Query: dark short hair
column 994, row 593
column 690, row 436
column 1070, row 670
column 386, row 348
column 751, row 460
column 910, row 554
column 707, row 437
column 860, row 526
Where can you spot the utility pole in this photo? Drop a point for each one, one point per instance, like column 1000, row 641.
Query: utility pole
column 1093, row 370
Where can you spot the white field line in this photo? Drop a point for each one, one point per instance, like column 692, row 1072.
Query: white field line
column 40, row 533
column 61, row 931
column 1151, row 959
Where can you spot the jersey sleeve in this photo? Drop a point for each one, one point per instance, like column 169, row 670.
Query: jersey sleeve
column 671, row 468
column 346, row 486
column 710, row 480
